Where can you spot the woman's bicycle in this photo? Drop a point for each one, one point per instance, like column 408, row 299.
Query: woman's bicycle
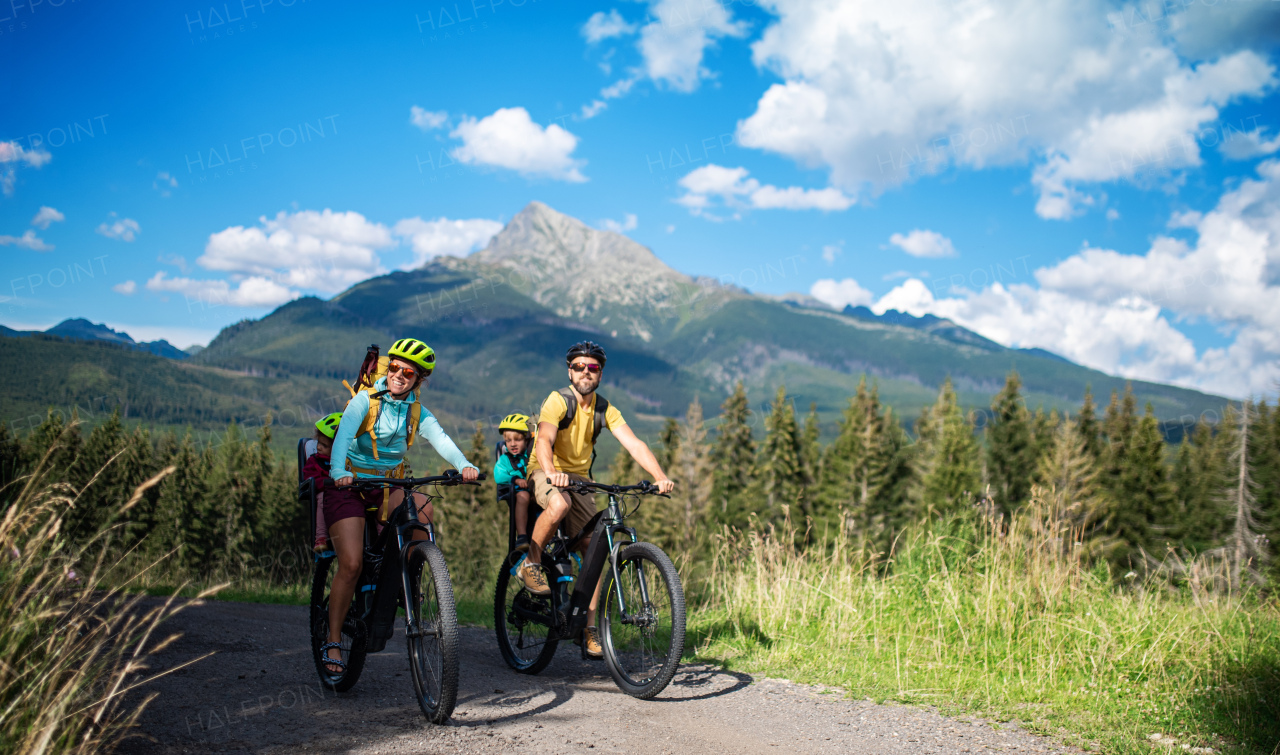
column 641, row 612
column 399, row 573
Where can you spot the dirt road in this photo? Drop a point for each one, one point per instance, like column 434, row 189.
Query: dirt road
column 260, row 694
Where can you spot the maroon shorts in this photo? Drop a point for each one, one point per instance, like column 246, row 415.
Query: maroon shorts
column 344, row 503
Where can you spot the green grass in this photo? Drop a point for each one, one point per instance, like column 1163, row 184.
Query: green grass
column 1007, row 624
column 1003, row 625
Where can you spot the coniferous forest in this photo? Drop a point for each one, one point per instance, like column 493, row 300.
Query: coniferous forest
column 229, row 507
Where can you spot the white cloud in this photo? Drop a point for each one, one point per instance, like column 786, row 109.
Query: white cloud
column 323, row 251
column 1249, row 144
column 121, row 229
column 603, row 26
column 924, row 243
column 46, row 216
column 1113, row 213
column 617, row 89
column 510, row 139
column 164, row 182
column 841, row 293
column 254, row 291
column 454, row 238
column 12, row 154
column 1112, row 311
column 28, row 240
column 879, row 93
column 673, row 44
column 427, row 120
column 671, row 229
column 736, row 190
column 629, row 223
column 831, row 251
column 127, row 288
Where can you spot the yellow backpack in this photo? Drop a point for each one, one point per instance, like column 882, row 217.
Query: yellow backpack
column 374, row 368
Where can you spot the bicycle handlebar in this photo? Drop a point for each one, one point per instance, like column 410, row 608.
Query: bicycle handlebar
column 450, row 477
column 644, row 488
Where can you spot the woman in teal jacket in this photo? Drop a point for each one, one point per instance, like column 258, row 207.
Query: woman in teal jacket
column 410, row 363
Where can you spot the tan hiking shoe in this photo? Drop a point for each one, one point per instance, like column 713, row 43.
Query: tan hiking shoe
column 533, row 579
column 592, row 648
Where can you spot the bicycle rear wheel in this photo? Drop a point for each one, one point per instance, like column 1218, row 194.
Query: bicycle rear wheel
column 643, row 647
column 353, row 636
column 433, row 644
column 523, row 622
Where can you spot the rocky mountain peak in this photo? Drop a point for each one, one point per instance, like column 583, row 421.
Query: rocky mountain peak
column 600, row 277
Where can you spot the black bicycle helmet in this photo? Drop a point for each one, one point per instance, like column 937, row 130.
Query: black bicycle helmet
column 585, row 349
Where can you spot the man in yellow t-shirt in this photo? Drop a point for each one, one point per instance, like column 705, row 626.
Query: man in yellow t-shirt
column 562, row 455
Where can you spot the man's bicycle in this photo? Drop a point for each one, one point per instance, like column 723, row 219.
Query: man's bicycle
column 399, row 573
column 641, row 614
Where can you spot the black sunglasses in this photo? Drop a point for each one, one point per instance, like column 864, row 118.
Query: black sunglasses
column 580, row 366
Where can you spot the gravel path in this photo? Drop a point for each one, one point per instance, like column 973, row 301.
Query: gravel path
column 260, row 694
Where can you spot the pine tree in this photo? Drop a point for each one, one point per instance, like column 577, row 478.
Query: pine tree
column 1199, row 475
column 1011, row 447
column 694, row 470
column 670, row 449
column 1044, row 429
column 1264, row 459
column 857, row 466
column 1247, row 553
column 810, row 464
column 1070, row 474
column 228, row 497
column 950, row 473
column 781, row 470
column 1142, row 505
column 734, row 459
column 1087, row 425
column 94, row 476
column 12, row 465
column 180, row 522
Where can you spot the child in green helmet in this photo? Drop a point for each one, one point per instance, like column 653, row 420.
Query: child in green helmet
column 317, row 468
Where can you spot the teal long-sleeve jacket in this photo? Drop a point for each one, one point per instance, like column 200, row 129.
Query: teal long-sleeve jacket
column 392, row 429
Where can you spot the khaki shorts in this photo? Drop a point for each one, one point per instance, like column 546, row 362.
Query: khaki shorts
column 581, row 505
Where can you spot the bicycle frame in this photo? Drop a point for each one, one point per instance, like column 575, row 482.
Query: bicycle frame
column 603, row 549
column 384, row 570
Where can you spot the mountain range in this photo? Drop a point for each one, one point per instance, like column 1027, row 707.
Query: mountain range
column 80, row 329
column 501, row 318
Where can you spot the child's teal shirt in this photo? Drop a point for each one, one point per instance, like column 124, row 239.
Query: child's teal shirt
column 510, row 468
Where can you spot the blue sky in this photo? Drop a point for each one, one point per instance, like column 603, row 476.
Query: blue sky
column 1094, row 178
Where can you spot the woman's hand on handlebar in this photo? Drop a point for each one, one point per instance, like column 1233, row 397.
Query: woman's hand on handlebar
column 343, row 482
column 469, row 474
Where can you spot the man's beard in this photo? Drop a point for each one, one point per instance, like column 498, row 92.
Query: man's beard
column 591, row 386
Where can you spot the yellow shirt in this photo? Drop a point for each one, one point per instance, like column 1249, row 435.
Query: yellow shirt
column 573, row 444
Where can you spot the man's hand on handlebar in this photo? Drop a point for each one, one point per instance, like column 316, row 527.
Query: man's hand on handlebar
column 665, row 486
column 558, row 480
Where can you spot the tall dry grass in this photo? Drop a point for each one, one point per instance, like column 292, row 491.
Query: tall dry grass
column 1007, row 617
column 70, row 647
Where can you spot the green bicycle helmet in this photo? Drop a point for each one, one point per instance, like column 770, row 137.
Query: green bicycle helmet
column 415, row 351
column 517, row 422
column 328, row 426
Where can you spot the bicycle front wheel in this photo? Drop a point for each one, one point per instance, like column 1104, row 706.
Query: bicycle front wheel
column 432, row 634
column 643, row 636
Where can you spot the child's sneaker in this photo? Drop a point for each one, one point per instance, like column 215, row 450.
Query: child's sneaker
column 522, row 543
column 321, row 545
